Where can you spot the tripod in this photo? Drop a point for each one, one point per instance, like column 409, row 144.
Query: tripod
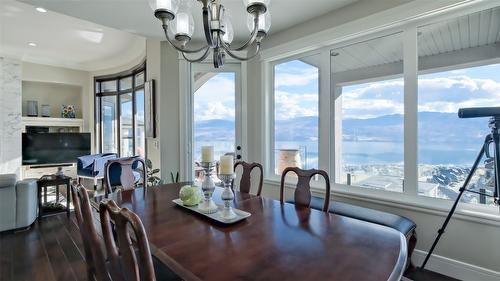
column 492, row 138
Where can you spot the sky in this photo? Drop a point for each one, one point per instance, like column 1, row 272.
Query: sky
column 438, row 92
column 216, row 98
column 296, row 93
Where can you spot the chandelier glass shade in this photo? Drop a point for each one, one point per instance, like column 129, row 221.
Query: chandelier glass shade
column 178, row 25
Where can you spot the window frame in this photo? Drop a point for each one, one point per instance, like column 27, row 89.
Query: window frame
column 409, row 198
column 270, row 143
column 118, row 94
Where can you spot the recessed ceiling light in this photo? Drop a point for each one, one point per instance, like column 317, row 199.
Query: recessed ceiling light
column 32, row 44
column 41, row 10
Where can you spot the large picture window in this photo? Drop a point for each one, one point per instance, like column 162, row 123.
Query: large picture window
column 369, row 96
column 296, row 95
column 453, row 75
column 391, row 120
column 119, row 112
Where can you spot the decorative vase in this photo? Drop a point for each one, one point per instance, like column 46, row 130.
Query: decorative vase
column 68, row 111
column 32, row 108
column 45, row 110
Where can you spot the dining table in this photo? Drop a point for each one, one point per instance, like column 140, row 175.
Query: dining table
column 279, row 241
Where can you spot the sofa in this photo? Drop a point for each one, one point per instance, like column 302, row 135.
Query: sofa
column 18, row 202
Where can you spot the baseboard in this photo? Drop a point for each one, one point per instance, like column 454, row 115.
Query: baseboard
column 454, row 268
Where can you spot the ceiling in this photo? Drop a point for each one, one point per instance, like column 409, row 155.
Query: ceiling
column 445, row 37
column 136, row 16
column 62, row 40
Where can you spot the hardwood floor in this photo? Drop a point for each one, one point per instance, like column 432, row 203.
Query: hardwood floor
column 52, row 250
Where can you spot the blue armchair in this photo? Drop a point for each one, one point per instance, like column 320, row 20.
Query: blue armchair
column 92, row 166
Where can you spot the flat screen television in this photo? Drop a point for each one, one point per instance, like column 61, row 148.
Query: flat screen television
column 54, row 148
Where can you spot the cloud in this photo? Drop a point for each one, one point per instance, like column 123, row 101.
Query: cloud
column 447, row 93
column 215, row 99
column 292, row 105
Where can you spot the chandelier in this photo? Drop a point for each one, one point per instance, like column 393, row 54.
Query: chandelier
column 178, row 25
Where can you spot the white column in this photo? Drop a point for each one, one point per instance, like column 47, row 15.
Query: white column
column 410, row 66
column 10, row 116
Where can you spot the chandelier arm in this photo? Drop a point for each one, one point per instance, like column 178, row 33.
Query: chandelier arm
column 203, row 57
column 253, row 36
column 206, row 27
column 183, row 50
column 229, row 52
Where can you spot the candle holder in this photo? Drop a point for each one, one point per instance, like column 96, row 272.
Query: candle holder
column 207, row 187
column 227, row 196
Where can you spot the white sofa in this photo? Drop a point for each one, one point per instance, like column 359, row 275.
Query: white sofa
column 18, row 202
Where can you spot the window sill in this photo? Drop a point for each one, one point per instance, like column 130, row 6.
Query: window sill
column 434, row 206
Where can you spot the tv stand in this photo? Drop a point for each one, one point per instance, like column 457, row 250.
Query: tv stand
column 37, row 171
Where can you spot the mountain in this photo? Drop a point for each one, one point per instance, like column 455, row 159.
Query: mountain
column 434, row 128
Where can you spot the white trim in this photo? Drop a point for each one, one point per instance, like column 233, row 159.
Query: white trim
column 185, row 120
column 240, row 106
column 410, row 95
column 455, row 268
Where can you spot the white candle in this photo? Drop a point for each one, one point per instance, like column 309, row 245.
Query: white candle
column 207, row 153
column 226, row 165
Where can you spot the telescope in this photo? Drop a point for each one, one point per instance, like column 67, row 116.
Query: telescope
column 491, row 142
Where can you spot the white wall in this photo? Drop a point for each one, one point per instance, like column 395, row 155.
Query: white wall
column 10, row 116
column 52, row 94
column 163, row 66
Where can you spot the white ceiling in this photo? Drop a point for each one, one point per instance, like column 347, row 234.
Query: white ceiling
column 136, row 16
column 453, row 35
column 62, row 40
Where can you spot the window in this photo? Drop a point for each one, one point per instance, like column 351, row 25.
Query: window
column 216, row 112
column 369, row 87
column 120, row 113
column 296, row 95
column 447, row 145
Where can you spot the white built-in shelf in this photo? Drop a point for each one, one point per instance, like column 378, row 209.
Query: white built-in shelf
column 52, row 122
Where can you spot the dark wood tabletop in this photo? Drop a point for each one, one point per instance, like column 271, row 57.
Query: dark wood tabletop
column 277, row 242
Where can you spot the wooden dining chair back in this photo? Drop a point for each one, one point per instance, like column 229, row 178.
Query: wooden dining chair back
column 124, row 262
column 245, row 181
column 302, row 195
column 122, row 172
column 93, row 248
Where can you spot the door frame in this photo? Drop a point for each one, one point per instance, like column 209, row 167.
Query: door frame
column 187, row 102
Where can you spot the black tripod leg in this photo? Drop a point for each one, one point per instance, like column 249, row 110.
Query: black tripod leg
column 496, row 141
column 466, row 183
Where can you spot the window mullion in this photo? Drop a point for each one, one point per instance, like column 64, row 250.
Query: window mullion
column 324, row 111
column 410, row 65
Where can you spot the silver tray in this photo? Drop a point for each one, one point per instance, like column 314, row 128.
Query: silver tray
column 240, row 215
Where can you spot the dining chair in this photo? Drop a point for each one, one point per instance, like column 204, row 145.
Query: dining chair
column 245, row 181
column 92, row 246
column 125, row 172
column 302, row 195
column 129, row 257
